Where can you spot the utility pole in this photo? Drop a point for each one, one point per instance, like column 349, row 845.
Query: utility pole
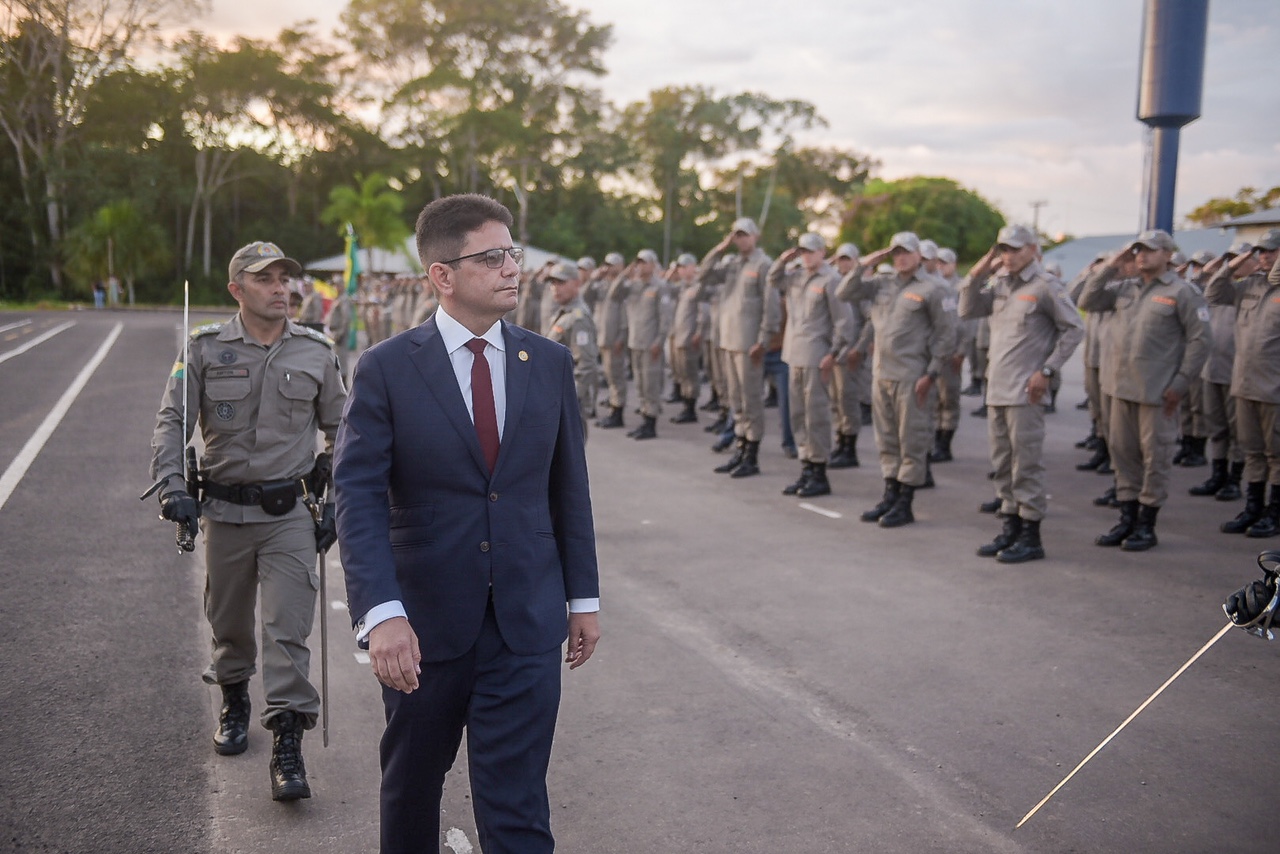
column 1035, row 215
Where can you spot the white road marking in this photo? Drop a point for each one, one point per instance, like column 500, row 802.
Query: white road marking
column 18, row 468
column 40, row 339
column 457, row 840
column 361, row 656
column 830, row 514
column 338, row 605
column 16, row 325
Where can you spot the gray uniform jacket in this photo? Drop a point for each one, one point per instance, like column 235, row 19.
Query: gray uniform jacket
column 966, row 330
column 689, row 315
column 1159, row 335
column 258, row 409
column 746, row 311
column 338, row 324
column 1256, row 372
column 1034, row 325
column 648, row 321
column 1096, row 325
column 1222, row 331
column 610, row 315
column 913, row 322
column 571, row 325
column 818, row 324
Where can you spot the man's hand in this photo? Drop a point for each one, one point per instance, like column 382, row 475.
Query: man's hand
column 394, row 654
column 619, row 347
column 1037, row 387
column 956, row 362
column 584, row 634
column 655, row 351
column 327, row 528
column 922, row 389
column 179, row 506
column 1171, row 401
column 853, row 361
column 756, row 353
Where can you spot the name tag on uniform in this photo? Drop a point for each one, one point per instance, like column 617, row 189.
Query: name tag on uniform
column 1026, row 297
column 1165, row 300
column 556, row 330
column 751, row 274
column 226, row 373
column 817, row 289
column 913, row 297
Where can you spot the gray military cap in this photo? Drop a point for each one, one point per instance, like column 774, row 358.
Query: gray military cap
column 905, row 240
column 928, row 250
column 1016, row 236
column 1156, row 238
column 746, row 225
column 1204, row 256
column 614, row 259
column 647, row 255
column 564, row 271
column 1240, row 247
column 587, row 262
column 812, row 242
column 686, row 259
column 258, row 256
column 1269, row 241
column 847, row 250
column 947, row 255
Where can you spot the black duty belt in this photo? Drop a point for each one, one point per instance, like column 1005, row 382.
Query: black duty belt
column 276, row 497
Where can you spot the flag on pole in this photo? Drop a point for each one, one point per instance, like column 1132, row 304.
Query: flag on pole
column 351, row 274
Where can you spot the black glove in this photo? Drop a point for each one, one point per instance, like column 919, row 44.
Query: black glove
column 321, row 477
column 327, row 529
column 1247, row 604
column 180, row 507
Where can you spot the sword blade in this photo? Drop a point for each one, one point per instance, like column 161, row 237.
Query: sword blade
column 324, row 653
column 1127, row 721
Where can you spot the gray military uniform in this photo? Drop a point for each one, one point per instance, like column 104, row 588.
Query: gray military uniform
column 572, row 326
column 1218, row 416
column 259, row 409
column 1034, row 325
column 648, row 323
column 688, row 324
column 611, row 337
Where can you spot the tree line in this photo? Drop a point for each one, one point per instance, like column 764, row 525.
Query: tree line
column 153, row 156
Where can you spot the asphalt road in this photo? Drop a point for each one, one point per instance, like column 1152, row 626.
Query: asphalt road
column 775, row 676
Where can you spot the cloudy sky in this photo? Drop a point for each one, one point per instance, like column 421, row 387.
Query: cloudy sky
column 1021, row 101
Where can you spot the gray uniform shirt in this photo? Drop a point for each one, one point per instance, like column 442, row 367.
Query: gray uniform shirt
column 610, row 315
column 258, row 409
column 1222, row 331
column 1256, row 371
column 1034, row 325
column 818, row 323
column 648, row 322
column 746, row 311
column 913, row 322
column 572, row 326
column 689, row 314
column 1159, row 334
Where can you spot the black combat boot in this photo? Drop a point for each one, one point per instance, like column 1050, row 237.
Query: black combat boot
column 1195, row 453
column 981, row 411
column 845, row 455
column 1231, row 489
column 973, row 389
column 1100, row 456
column 864, row 412
column 1051, row 407
column 941, row 452
column 891, row 487
column 1217, row 480
column 288, row 774
column 817, row 483
column 713, row 404
column 723, row 442
column 612, row 420
column 806, row 471
column 1026, row 547
column 900, row 513
column 1128, row 517
column 1254, row 496
column 1143, row 535
column 992, row 506
column 1268, row 524
column 689, row 415
column 674, row 397
column 717, row 426
column 1106, row 499
column 1184, row 443
column 1089, row 442
column 232, row 736
column 928, row 475
column 647, row 430
column 1012, row 526
column 750, row 461
column 734, row 461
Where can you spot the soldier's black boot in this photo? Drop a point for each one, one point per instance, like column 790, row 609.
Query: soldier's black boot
column 992, row 506
column 806, row 471
column 1107, row 499
column 1268, row 524
column 1012, row 526
column 1088, row 442
column 1231, row 489
column 981, row 411
column 817, row 483
column 734, row 461
column 900, row 513
column 674, row 397
column 232, row 736
column 941, row 452
column 1254, row 496
column 1052, row 406
column 853, row 450
column 845, row 455
column 1128, row 517
column 713, row 404
column 973, row 389
column 1195, row 453
column 1026, row 547
column 1143, row 535
column 612, row 420
column 288, row 774
column 1217, row 480
column 717, row 426
column 1100, row 456
column 891, row 487
column 689, row 415
column 1184, row 444
column 928, row 475
column 647, row 430
column 750, row 461
column 864, row 412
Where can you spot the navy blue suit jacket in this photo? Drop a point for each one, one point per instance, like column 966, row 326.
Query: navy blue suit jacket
column 420, row 518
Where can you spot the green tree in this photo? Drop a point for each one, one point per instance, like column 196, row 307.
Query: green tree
column 935, row 208
column 1246, row 201
column 118, row 239
column 374, row 210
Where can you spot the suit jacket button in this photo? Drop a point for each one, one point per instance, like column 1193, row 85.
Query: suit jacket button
column 493, row 496
column 484, row 547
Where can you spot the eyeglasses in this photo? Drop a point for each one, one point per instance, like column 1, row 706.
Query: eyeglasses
column 493, row 258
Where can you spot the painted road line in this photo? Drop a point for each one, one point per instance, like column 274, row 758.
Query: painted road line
column 14, row 473
column 456, row 840
column 821, row 511
column 338, row 605
column 361, row 656
column 40, row 339
column 15, row 325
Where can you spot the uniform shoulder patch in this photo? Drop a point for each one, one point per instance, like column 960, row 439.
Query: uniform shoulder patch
column 206, row 329
column 308, row 332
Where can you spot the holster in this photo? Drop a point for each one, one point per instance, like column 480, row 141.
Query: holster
column 275, row 497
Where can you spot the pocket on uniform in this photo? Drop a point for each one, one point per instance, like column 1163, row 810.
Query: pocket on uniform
column 226, row 403
column 300, row 391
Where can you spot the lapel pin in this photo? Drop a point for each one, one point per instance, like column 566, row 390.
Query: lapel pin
column 524, row 356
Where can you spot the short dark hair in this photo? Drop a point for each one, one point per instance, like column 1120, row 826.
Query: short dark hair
column 444, row 224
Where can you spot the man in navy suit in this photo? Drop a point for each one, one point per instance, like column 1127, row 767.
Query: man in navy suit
column 464, row 519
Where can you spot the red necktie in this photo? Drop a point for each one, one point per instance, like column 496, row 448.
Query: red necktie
column 482, row 408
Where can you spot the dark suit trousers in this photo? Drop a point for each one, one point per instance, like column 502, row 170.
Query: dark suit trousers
column 508, row 704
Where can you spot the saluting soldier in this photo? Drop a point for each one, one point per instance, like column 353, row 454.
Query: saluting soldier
column 311, row 314
column 262, row 386
column 611, row 336
column 571, row 325
column 688, row 327
column 643, row 290
column 847, row 388
column 913, row 332
column 1034, row 330
column 819, row 334
column 942, row 263
column 1159, row 343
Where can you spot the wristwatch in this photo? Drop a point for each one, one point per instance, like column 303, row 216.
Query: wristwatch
column 1048, row 372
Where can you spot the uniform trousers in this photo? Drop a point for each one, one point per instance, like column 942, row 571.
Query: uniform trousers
column 845, row 399
column 1093, row 394
column 904, row 429
column 713, row 358
column 507, row 704
column 1258, row 431
column 1017, row 456
column 615, row 375
column 1141, row 439
column 686, row 368
column 810, row 414
column 280, row 558
column 1191, row 410
column 745, row 381
column 648, row 373
column 1218, row 422
column 948, row 386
